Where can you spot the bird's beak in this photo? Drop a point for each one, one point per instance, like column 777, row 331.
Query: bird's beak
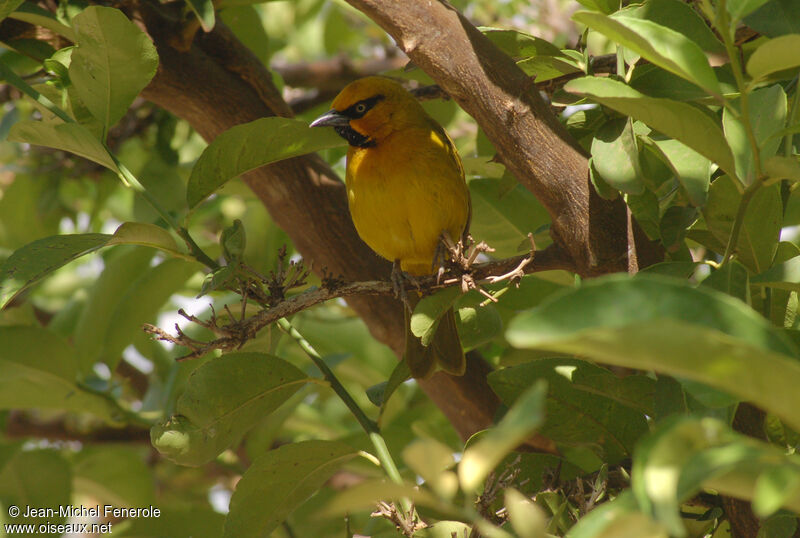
column 331, row 118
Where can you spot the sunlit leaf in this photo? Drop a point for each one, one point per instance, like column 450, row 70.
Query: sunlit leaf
column 70, row 137
column 36, row 260
column 651, row 322
column 113, row 61
column 524, row 417
column 660, row 45
column 245, row 147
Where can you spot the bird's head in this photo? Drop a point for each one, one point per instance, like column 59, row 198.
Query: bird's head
column 371, row 108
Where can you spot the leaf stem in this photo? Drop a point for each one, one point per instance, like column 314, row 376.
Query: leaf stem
column 725, row 31
column 733, row 240
column 368, row 425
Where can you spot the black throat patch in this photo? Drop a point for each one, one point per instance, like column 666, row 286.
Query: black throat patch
column 353, row 137
column 354, row 112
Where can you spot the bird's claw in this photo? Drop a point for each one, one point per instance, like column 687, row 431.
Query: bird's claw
column 399, row 278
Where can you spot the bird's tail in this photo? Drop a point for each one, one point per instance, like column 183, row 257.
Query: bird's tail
column 444, row 350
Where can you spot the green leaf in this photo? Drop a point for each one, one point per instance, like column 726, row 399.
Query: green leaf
column 660, row 45
column 431, row 459
column 505, row 218
column 775, row 55
column 731, row 279
column 676, row 120
column 70, row 137
column 687, row 454
column 38, row 479
column 204, row 10
column 113, row 61
column 615, row 155
column 680, row 17
column 122, row 267
column 694, row 170
column 617, row 518
column 278, row 482
column 775, row 18
column 758, row 239
column 739, row 9
column 429, row 311
column 246, row 147
column 146, row 235
column 779, row 167
column 784, row 276
column 774, row 488
column 114, row 474
column 478, row 325
column 141, row 302
column 606, row 6
column 527, row 518
column 767, row 108
column 37, row 16
column 223, row 399
column 587, row 406
column 652, row 322
column 519, row 44
column 8, row 7
column 524, row 417
column 38, row 371
column 196, row 521
column 36, row 260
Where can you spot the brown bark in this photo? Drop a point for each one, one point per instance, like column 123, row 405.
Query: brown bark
column 529, row 138
column 216, row 84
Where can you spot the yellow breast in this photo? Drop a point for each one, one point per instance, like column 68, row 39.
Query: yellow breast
column 404, row 192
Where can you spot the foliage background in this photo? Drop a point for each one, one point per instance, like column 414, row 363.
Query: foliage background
column 714, row 325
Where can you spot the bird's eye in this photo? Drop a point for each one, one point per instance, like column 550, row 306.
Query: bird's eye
column 361, row 108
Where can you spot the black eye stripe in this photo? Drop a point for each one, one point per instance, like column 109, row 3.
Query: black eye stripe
column 360, row 108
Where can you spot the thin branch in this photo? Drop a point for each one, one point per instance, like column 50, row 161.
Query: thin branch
column 236, row 333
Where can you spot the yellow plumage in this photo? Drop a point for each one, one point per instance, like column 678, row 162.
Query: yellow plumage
column 405, row 186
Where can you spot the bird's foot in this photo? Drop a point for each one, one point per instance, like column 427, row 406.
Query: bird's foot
column 399, row 279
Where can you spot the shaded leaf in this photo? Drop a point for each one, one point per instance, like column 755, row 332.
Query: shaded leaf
column 140, row 304
column 429, row 311
column 38, row 479
column 587, row 407
column 615, row 155
column 204, row 10
column 223, row 399
column 677, row 120
column 758, row 239
column 278, row 482
column 775, row 18
column 38, row 371
column 767, row 108
column 524, row 417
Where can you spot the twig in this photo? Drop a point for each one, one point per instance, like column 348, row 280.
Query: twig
column 234, row 334
column 405, row 523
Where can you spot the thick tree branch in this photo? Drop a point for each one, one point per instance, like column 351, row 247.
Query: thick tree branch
column 531, row 142
column 303, row 195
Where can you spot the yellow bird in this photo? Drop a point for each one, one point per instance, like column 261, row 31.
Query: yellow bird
column 405, row 186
